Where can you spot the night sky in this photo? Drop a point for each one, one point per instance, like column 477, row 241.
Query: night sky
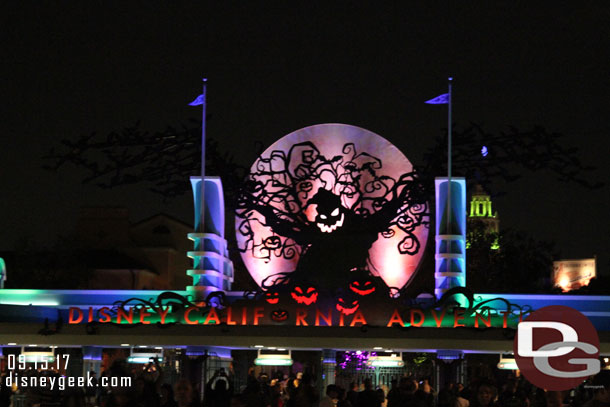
column 95, row 67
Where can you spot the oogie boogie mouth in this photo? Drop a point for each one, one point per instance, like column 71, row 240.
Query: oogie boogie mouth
column 331, row 228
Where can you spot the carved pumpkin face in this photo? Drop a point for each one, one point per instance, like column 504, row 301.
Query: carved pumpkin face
column 279, row 315
column 347, row 306
column 362, row 286
column 272, row 243
column 305, row 295
column 331, row 213
column 272, row 297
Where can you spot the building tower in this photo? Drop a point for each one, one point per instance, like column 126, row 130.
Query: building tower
column 482, row 217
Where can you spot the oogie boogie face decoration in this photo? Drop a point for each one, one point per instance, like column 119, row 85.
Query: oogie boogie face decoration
column 326, row 199
column 330, row 214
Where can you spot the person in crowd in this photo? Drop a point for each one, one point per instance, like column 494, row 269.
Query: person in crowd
column 512, row 396
column 601, row 394
column 221, row 395
column 343, row 400
column 424, row 394
column 405, row 396
column 252, row 395
column 120, row 397
column 276, row 396
column 145, row 393
column 485, row 395
column 306, row 395
column 5, row 392
column 166, row 396
column 91, row 391
column 368, row 397
column 332, row 397
column 469, row 392
column 381, row 397
column 184, row 394
column 71, row 398
column 446, row 398
column 291, row 389
column 237, row 400
column 393, row 390
column 218, row 390
column 555, row 398
column 461, row 401
column 352, row 394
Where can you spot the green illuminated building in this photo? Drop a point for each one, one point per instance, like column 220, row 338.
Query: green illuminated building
column 482, row 217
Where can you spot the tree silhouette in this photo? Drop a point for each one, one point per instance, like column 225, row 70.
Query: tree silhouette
column 522, row 264
column 163, row 160
column 484, row 158
column 59, row 266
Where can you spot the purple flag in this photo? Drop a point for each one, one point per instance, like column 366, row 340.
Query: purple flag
column 439, row 100
column 199, row 101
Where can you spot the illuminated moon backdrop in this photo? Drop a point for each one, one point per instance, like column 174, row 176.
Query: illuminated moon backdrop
column 332, row 206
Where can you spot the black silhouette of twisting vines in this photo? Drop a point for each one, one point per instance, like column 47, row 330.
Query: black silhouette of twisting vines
column 281, row 186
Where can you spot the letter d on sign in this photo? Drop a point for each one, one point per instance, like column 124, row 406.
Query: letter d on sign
column 75, row 320
column 525, row 332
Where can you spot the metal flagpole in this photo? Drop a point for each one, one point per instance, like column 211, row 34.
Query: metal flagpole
column 202, row 185
column 449, row 232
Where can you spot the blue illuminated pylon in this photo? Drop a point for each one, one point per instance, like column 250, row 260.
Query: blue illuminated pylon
column 212, row 269
column 450, row 254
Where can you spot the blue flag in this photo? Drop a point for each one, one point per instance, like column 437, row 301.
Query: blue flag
column 439, row 100
column 199, row 101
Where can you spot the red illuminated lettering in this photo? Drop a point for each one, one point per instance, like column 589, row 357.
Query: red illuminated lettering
column 144, row 314
column 72, row 319
column 258, row 314
column 438, row 320
column 358, row 319
column 229, row 320
column 458, row 315
column 327, row 318
column 212, row 316
column 421, row 315
column 478, row 317
column 395, row 319
column 186, row 316
column 301, row 315
column 162, row 313
column 104, row 312
column 121, row 314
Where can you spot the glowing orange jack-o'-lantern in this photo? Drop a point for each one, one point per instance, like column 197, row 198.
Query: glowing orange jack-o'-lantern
column 362, row 286
column 279, row 315
column 347, row 306
column 305, row 295
column 272, row 297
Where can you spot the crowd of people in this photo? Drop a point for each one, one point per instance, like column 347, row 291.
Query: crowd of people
column 299, row 391
column 518, row 392
column 276, row 389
